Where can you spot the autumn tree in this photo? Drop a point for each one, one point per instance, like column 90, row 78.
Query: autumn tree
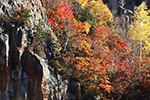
column 100, row 12
column 139, row 31
column 61, row 19
column 95, row 55
column 132, row 83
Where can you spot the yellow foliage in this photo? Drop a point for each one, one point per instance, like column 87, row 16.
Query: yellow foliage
column 98, row 9
column 74, row 21
column 82, row 2
column 100, row 12
column 139, row 29
column 86, row 27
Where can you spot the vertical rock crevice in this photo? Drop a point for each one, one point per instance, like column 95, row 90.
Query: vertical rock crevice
column 23, row 74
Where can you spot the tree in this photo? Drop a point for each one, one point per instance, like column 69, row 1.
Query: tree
column 99, row 54
column 139, row 30
column 100, row 12
column 95, row 55
column 61, row 19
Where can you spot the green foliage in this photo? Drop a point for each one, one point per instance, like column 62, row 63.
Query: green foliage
column 21, row 16
column 39, row 33
column 85, row 15
column 81, row 14
column 109, row 23
column 40, row 37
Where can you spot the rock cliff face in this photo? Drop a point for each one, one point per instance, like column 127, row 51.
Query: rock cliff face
column 23, row 74
column 114, row 5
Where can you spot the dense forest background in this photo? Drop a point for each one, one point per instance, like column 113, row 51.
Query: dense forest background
column 108, row 56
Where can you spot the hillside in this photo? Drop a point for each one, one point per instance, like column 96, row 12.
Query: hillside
column 74, row 50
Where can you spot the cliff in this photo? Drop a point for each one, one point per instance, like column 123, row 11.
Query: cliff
column 115, row 5
column 23, row 74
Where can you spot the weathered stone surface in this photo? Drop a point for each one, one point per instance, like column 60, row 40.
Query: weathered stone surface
column 3, row 68
column 32, row 67
column 23, row 74
column 114, row 5
column 54, row 86
column 74, row 90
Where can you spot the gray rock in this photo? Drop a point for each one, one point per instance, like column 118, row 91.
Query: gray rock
column 23, row 74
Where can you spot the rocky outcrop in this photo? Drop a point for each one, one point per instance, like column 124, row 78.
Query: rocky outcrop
column 118, row 7
column 23, row 74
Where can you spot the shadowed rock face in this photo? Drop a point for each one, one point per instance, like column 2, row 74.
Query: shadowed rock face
column 127, row 4
column 33, row 69
column 3, row 75
column 23, row 74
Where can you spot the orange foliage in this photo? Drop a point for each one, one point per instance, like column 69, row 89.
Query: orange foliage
column 99, row 59
column 95, row 55
column 60, row 16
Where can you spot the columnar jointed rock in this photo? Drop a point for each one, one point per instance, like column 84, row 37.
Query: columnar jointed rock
column 23, row 74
